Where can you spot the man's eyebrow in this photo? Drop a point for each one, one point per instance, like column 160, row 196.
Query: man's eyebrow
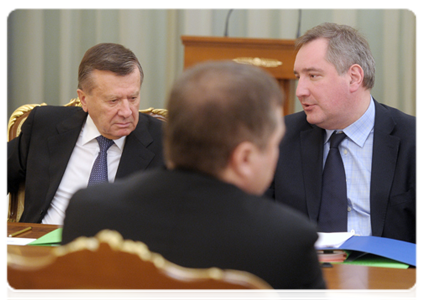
column 110, row 97
column 308, row 70
column 113, row 96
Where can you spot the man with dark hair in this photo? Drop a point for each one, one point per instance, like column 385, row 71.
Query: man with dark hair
column 56, row 152
column 221, row 142
column 376, row 193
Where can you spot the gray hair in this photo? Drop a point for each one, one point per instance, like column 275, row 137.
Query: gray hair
column 107, row 57
column 346, row 47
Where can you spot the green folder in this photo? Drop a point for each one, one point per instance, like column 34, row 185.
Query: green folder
column 372, row 260
column 53, row 238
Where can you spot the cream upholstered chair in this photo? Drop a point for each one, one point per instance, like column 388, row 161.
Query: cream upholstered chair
column 106, row 261
column 18, row 117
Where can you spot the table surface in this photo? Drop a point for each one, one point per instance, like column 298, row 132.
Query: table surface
column 338, row 276
column 38, row 230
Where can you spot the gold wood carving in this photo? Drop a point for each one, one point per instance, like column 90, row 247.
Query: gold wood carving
column 259, row 62
column 74, row 102
column 138, row 249
column 19, row 113
column 155, row 111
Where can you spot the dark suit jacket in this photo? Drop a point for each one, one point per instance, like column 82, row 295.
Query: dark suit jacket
column 297, row 181
column 39, row 155
column 197, row 221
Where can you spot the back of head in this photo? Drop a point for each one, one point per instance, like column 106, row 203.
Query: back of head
column 346, row 46
column 215, row 106
column 106, row 57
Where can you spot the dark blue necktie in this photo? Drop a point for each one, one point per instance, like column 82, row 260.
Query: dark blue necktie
column 333, row 208
column 99, row 170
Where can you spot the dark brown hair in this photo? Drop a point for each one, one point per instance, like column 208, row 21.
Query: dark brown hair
column 107, row 57
column 215, row 106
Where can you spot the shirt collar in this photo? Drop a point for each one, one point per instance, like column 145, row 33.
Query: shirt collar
column 90, row 132
column 360, row 129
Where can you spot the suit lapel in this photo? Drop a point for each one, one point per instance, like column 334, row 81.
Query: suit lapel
column 311, row 163
column 385, row 153
column 60, row 148
column 136, row 155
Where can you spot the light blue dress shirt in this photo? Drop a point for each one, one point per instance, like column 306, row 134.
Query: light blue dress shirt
column 356, row 152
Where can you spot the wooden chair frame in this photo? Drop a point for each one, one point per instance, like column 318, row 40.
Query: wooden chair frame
column 106, row 261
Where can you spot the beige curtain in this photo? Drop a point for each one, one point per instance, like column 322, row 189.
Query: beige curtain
column 46, row 46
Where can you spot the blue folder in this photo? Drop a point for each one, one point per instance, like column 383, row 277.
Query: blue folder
column 393, row 249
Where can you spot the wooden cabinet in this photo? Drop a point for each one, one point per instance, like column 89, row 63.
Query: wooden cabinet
column 275, row 56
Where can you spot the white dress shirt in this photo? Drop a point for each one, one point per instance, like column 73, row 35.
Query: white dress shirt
column 356, row 152
column 79, row 168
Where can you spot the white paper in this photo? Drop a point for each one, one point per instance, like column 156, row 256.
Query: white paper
column 332, row 239
column 19, row 241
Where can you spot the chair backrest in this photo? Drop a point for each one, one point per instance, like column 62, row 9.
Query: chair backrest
column 18, row 117
column 106, row 261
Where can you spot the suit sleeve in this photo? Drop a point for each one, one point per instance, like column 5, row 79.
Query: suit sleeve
column 17, row 153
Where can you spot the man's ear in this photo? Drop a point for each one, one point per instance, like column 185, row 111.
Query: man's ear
column 242, row 159
column 82, row 97
column 356, row 74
